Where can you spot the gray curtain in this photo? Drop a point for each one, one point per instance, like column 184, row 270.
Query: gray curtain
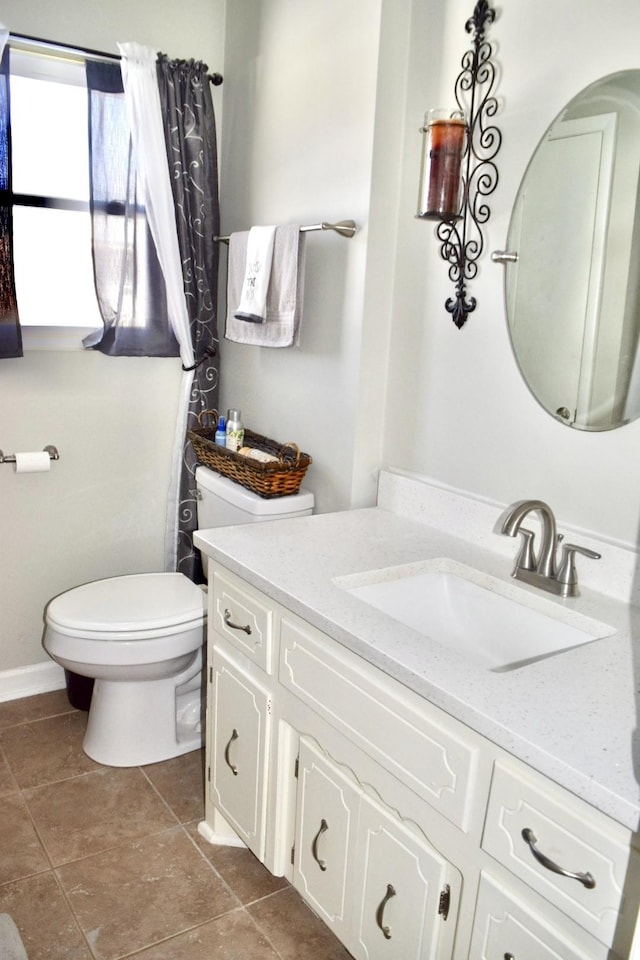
column 10, row 335
column 190, row 135
column 129, row 282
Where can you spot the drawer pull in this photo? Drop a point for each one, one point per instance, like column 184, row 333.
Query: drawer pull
column 584, row 878
column 235, row 626
column 314, row 846
column 380, row 911
column 232, row 766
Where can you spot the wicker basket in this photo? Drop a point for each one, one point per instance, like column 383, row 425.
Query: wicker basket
column 276, row 479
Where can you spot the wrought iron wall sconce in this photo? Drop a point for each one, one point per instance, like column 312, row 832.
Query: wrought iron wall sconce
column 458, row 165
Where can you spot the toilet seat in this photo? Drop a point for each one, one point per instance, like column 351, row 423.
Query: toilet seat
column 134, row 607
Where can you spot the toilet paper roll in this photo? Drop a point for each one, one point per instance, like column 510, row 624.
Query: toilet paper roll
column 36, row 461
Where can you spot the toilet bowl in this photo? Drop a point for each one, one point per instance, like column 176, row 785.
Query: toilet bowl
column 141, row 637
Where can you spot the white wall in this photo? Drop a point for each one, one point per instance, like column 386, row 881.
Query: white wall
column 322, row 116
column 467, row 417
column 297, row 145
column 101, row 509
column 323, row 101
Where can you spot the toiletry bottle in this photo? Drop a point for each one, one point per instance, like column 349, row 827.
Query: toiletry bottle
column 235, row 430
column 221, row 433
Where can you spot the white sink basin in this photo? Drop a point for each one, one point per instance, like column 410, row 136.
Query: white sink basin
column 496, row 624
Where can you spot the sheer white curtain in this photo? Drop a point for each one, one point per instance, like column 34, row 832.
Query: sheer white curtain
column 10, row 335
column 143, row 102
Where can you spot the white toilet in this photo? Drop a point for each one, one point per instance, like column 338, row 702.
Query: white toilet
column 142, row 638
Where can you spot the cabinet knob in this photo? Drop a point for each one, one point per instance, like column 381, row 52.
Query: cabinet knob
column 380, row 911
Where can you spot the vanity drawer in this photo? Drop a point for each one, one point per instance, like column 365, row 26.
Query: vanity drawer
column 532, row 825
column 389, row 723
column 507, row 927
column 241, row 615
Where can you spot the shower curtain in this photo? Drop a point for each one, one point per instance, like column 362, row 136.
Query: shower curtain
column 183, row 227
column 190, row 134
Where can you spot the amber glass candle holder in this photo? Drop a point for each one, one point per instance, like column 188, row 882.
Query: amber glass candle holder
column 444, row 134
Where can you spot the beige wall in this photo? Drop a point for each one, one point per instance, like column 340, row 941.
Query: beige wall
column 101, row 509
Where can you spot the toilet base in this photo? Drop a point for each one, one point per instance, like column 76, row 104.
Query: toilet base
column 131, row 724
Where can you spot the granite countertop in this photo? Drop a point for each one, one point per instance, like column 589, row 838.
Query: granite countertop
column 571, row 716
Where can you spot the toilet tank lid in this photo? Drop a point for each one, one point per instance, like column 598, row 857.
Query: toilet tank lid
column 134, row 602
column 251, row 502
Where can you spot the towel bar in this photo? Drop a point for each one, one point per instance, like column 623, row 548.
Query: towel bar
column 346, row 228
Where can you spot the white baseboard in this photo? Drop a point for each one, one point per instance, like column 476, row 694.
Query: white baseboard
column 220, row 834
column 27, row 681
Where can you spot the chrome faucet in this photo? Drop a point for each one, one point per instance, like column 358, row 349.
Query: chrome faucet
column 541, row 572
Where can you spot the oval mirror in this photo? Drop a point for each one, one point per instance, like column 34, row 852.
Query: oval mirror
column 573, row 292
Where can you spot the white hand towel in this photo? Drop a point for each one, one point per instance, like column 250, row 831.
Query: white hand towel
column 285, row 294
column 253, row 298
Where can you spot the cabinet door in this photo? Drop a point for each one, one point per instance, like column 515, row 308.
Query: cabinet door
column 326, row 821
column 240, row 729
column 409, row 896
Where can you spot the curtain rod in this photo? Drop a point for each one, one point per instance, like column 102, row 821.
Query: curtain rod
column 346, row 228
column 214, row 78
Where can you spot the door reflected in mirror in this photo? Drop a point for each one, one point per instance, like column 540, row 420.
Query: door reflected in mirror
column 573, row 293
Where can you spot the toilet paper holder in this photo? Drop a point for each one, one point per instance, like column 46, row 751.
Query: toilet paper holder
column 50, row 449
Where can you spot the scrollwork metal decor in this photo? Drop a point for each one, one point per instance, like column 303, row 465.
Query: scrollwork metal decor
column 461, row 237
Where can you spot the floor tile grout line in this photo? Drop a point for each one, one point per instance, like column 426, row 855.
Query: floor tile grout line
column 160, row 795
column 180, row 933
column 174, row 828
column 46, row 783
column 21, row 723
column 38, row 834
column 73, row 914
column 264, row 933
column 211, row 865
column 111, row 846
column 4, row 757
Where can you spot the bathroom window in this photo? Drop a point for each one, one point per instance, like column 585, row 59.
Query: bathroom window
column 51, row 219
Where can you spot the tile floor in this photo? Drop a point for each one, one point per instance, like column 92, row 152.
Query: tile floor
column 102, row 863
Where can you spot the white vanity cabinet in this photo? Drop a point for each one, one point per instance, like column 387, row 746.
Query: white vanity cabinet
column 409, row 834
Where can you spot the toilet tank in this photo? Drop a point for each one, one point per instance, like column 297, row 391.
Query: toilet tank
column 221, row 502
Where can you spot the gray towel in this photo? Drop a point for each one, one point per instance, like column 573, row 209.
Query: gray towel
column 11, row 946
column 285, row 295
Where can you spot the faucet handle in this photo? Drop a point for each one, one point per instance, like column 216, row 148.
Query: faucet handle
column 567, row 573
column 526, row 558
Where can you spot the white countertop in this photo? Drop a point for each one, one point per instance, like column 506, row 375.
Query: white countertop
column 571, row 716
